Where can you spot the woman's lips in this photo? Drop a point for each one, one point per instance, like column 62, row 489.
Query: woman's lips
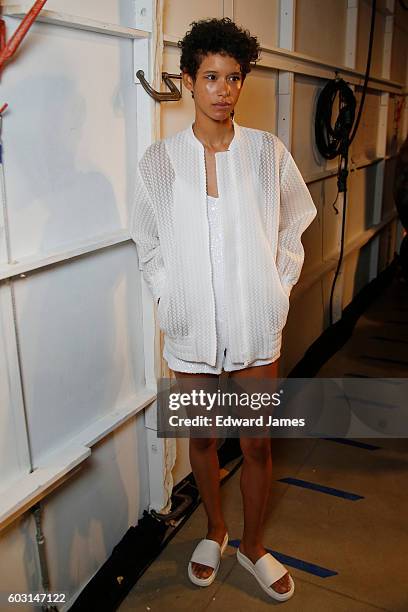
column 222, row 105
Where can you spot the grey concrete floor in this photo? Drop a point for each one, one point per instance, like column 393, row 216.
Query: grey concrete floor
column 364, row 542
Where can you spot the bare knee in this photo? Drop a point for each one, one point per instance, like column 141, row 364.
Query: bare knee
column 202, row 444
column 256, row 449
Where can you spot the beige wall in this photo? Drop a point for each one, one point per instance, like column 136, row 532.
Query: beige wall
column 314, row 32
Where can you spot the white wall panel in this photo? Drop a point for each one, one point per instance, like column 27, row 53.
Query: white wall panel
column 360, row 201
column 81, row 341
column 304, row 149
column 312, row 237
column 364, row 145
column 256, row 107
column 68, row 153
column 178, row 14
column 260, row 17
column 321, row 29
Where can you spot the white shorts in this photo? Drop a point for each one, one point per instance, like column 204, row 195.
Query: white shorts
column 223, row 357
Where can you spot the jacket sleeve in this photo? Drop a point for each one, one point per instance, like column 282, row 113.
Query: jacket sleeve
column 143, row 230
column 297, row 211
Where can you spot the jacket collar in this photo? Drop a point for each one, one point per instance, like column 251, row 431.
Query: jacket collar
column 233, row 143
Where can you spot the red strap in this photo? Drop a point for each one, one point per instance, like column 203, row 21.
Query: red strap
column 8, row 49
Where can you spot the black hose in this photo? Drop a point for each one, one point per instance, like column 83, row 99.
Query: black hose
column 332, row 142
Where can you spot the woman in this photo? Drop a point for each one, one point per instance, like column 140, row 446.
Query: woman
column 218, row 215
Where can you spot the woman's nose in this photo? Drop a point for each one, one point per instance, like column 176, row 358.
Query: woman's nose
column 224, row 88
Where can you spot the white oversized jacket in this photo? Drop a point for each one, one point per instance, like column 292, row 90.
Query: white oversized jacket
column 266, row 206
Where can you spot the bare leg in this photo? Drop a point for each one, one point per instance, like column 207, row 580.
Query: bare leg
column 256, row 479
column 206, row 470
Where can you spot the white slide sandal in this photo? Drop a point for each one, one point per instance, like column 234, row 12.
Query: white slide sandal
column 207, row 552
column 267, row 570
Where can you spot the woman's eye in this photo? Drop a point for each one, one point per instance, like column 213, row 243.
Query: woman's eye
column 234, row 78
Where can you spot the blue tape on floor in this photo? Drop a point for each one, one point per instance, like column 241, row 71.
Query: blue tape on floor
column 321, row 488
column 311, row 568
column 353, row 443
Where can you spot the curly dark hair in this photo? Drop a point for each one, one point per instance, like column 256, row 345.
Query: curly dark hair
column 217, row 36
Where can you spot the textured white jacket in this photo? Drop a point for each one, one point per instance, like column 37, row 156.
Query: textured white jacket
column 266, row 206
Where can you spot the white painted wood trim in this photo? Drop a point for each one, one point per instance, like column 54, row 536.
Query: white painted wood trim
column 381, row 145
column 148, row 57
column 382, row 125
column 156, row 453
column 378, row 192
column 351, row 33
column 143, row 15
column 73, row 21
column 228, row 9
column 12, row 376
column 35, row 262
column 277, row 58
column 286, row 79
column 387, row 50
column 287, row 23
column 285, row 107
column 145, row 136
column 379, row 179
column 11, row 392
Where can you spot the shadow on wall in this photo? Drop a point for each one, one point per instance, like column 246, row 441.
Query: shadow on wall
column 68, row 319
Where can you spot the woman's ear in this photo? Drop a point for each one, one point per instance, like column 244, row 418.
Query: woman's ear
column 188, row 82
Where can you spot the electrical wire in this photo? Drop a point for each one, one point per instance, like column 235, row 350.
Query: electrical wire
column 332, row 142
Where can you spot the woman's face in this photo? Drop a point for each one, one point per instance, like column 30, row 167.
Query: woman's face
column 218, row 80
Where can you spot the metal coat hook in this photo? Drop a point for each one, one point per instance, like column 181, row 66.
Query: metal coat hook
column 162, row 96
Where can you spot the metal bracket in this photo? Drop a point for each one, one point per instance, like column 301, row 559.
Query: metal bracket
column 162, row 96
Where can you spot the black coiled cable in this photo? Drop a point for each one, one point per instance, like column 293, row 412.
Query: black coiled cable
column 332, row 142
